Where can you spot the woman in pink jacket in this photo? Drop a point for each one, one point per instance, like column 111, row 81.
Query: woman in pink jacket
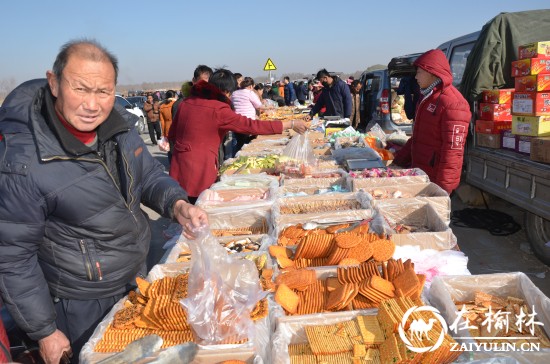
column 440, row 125
column 202, row 120
column 246, row 102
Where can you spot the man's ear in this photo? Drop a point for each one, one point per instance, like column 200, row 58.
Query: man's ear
column 53, row 82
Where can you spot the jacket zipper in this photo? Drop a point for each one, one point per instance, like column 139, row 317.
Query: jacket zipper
column 87, row 261
column 106, row 169
column 131, row 178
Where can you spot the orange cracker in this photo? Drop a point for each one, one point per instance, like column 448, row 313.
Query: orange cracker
column 348, row 262
column 287, row 298
column 382, row 249
column 362, row 251
column 347, row 240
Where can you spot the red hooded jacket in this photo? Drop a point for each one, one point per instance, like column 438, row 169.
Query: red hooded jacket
column 440, row 127
column 202, row 120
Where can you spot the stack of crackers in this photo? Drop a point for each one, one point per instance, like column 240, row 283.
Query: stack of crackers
column 394, row 350
column 325, row 247
column 351, row 341
column 315, row 206
column 156, row 310
column 300, row 292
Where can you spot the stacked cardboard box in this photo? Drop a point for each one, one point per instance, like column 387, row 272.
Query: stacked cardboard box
column 494, row 117
column 531, row 98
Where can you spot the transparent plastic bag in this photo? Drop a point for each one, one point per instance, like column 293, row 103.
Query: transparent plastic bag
column 164, row 146
column 298, row 157
column 377, row 132
column 222, row 292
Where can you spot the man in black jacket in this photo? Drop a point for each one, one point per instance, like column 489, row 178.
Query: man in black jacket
column 73, row 173
column 336, row 96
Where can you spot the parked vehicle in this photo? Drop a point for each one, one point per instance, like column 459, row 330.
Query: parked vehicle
column 141, row 124
column 375, row 94
column 508, row 175
column 137, row 100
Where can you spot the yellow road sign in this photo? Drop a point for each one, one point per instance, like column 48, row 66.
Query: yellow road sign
column 269, row 65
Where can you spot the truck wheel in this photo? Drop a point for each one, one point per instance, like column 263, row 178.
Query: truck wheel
column 538, row 232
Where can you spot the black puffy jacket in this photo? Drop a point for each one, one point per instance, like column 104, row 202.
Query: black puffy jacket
column 70, row 219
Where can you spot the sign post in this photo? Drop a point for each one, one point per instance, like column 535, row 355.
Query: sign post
column 269, row 66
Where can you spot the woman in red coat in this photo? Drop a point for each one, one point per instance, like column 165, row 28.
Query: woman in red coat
column 440, row 125
column 202, row 120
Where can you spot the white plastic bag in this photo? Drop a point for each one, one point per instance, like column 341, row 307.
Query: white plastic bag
column 222, row 292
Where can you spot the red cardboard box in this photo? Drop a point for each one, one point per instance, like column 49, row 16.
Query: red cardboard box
column 497, row 96
column 523, row 144
column 534, row 50
column 508, row 140
column 531, row 103
column 531, row 66
column 492, row 127
column 496, row 112
column 532, row 83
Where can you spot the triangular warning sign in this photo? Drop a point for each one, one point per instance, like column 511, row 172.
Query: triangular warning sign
column 269, row 65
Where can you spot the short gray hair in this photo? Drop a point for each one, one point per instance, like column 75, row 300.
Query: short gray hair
column 89, row 49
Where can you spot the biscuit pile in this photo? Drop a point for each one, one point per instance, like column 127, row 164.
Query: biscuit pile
column 485, row 305
column 157, row 310
column 319, row 206
column 394, row 350
column 259, row 227
column 352, row 341
column 324, row 247
column 300, row 292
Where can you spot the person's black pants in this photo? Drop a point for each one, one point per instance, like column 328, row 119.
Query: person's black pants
column 154, row 128
column 78, row 319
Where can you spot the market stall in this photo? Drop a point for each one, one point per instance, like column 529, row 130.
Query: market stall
column 327, row 261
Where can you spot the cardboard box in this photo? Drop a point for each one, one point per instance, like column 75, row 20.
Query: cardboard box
column 497, row 96
column 531, row 125
column 531, row 66
column 446, row 290
column 540, row 150
column 523, row 144
column 497, row 112
column 534, row 50
column 532, row 83
column 488, row 140
column 493, row 127
column 531, row 103
column 507, row 140
column 419, row 214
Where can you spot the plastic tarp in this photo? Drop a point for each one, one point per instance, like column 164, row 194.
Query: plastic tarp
column 489, row 62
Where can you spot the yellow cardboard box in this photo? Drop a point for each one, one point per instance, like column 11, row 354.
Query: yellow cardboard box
column 531, row 125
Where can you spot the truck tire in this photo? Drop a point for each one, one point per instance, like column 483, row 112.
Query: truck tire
column 538, row 232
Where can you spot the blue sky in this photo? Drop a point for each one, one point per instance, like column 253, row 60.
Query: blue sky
column 165, row 41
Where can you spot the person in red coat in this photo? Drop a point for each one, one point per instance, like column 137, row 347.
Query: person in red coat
column 440, row 125
column 202, row 120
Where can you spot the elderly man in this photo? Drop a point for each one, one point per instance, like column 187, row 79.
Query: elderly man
column 73, row 174
column 440, row 126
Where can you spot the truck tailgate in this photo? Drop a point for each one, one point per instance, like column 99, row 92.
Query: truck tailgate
column 512, row 177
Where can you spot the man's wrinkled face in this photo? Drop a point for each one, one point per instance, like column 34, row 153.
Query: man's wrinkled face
column 85, row 92
column 424, row 78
